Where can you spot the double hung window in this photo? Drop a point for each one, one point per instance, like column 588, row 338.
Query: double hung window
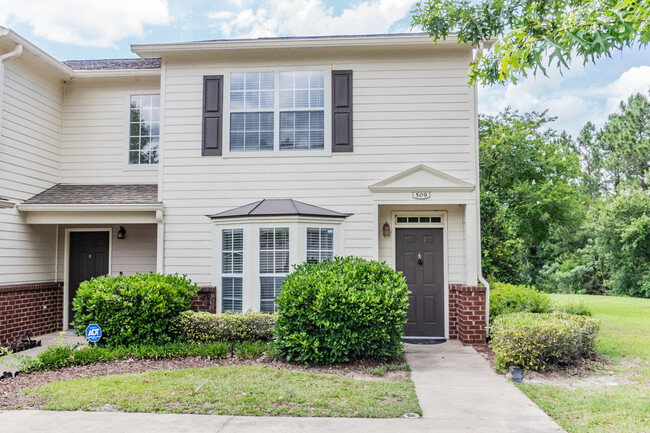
column 277, row 111
column 320, row 244
column 232, row 269
column 274, row 265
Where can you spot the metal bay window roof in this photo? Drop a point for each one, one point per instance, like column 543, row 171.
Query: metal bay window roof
column 278, row 207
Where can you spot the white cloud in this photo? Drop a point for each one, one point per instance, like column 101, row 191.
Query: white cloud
column 574, row 98
column 312, row 18
column 85, row 22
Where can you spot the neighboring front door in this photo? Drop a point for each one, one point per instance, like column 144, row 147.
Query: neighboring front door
column 88, row 259
column 420, row 258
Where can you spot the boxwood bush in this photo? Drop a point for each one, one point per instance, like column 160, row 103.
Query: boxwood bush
column 201, row 327
column 510, row 298
column 341, row 309
column 533, row 341
column 135, row 309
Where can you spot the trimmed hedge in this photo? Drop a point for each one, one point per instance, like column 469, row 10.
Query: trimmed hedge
column 65, row 355
column 533, row 341
column 135, row 309
column 201, row 327
column 511, row 298
column 341, row 309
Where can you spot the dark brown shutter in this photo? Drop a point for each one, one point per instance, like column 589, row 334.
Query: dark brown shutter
column 341, row 111
column 212, row 114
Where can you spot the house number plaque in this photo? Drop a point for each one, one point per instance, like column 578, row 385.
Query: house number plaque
column 422, row 195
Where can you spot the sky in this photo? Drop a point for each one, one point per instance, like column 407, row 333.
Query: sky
column 95, row 29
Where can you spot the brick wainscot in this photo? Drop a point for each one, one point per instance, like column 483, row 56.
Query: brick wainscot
column 467, row 320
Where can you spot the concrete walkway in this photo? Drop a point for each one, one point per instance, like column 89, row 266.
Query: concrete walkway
column 10, row 362
column 458, row 392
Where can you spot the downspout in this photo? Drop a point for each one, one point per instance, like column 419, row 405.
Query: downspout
column 15, row 53
column 477, row 54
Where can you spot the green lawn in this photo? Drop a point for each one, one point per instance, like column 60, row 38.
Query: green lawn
column 234, row 390
column 625, row 338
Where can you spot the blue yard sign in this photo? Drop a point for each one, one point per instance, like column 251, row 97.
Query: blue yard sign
column 93, row 333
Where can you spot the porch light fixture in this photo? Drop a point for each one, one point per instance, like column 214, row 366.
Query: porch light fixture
column 121, row 233
column 386, row 229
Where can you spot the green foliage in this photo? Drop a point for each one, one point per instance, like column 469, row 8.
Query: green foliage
column 575, row 308
column 136, row 309
column 341, row 309
column 65, row 355
column 534, row 35
column 200, row 327
column 250, row 349
column 5, row 351
column 534, row 341
column 509, row 298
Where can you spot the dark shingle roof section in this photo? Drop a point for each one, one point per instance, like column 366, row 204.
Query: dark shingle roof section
column 97, row 194
column 112, row 64
column 278, row 207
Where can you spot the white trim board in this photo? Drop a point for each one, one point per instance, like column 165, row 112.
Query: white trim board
column 422, row 178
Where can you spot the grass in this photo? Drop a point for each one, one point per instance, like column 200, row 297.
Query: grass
column 625, row 326
column 234, row 390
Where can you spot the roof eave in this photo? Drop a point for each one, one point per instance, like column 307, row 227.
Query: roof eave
column 402, row 40
column 68, row 207
column 220, row 217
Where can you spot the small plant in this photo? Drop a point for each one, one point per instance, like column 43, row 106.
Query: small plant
column 533, row 341
column 5, row 351
column 341, row 309
column 510, row 298
column 201, row 327
column 576, row 308
column 135, row 309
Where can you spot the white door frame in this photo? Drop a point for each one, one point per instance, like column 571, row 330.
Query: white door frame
column 445, row 248
column 66, row 263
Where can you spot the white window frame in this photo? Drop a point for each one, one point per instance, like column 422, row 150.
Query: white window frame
column 231, row 274
column 276, row 152
column 127, row 164
column 261, row 275
column 320, row 228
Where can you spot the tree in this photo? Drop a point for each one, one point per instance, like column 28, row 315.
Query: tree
column 529, row 189
column 530, row 35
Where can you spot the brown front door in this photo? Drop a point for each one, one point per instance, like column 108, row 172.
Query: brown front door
column 420, row 258
column 88, row 259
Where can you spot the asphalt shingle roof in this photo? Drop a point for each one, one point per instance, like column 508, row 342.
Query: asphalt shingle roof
column 277, row 207
column 97, row 194
column 112, row 64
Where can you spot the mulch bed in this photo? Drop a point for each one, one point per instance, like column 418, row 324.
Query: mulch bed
column 12, row 391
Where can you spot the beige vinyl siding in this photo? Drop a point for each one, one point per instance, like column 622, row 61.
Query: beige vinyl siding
column 96, row 128
column 30, row 138
column 135, row 253
column 407, row 111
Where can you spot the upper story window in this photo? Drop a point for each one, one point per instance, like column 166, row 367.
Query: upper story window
column 282, row 110
column 144, row 129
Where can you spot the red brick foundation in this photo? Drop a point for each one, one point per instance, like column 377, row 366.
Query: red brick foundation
column 206, row 299
column 30, row 307
column 467, row 313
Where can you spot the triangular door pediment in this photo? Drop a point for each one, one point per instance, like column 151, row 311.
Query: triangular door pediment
column 421, row 178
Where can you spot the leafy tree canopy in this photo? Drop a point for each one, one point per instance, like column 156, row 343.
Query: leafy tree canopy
column 531, row 35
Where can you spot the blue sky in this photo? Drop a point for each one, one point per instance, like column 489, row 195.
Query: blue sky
column 91, row 29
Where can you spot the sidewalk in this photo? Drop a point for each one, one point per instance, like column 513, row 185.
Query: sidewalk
column 8, row 362
column 458, row 392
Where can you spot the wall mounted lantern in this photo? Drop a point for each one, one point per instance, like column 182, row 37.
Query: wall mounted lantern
column 386, row 229
column 121, row 233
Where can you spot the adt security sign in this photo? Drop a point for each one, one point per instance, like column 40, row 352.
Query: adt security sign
column 93, row 333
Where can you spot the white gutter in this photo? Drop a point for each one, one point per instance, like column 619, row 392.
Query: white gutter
column 64, row 70
column 89, row 207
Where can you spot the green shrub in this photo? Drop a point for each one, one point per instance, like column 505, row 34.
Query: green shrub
column 510, row 298
column 65, row 355
column 341, row 309
column 533, row 341
column 576, row 308
column 200, row 327
column 135, row 309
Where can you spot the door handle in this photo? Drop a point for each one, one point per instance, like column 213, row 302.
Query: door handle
column 419, row 259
